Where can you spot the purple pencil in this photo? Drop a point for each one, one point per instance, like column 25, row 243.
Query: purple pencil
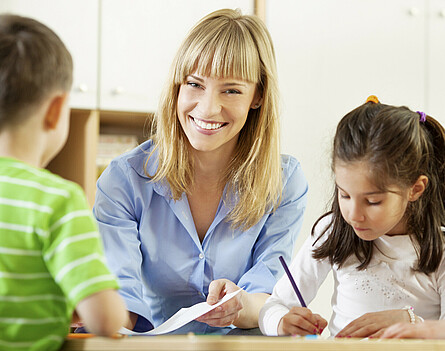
column 292, row 281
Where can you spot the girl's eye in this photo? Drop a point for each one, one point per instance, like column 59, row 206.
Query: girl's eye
column 344, row 196
column 374, row 203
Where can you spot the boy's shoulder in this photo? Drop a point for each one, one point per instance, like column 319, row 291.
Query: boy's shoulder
column 18, row 173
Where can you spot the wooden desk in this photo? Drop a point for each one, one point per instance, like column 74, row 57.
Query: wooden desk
column 245, row 343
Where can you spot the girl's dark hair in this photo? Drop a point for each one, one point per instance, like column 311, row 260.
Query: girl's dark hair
column 34, row 63
column 398, row 148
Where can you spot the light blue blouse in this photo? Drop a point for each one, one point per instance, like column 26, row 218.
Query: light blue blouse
column 151, row 243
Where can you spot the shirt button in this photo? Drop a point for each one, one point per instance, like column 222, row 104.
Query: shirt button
column 201, row 256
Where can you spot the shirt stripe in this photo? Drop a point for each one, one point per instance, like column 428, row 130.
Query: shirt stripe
column 70, row 266
column 24, row 276
column 19, row 252
column 23, row 229
column 65, row 242
column 92, row 281
column 32, row 321
column 35, row 185
column 20, row 299
column 36, row 172
column 22, row 344
column 69, row 217
column 26, row 204
column 17, row 227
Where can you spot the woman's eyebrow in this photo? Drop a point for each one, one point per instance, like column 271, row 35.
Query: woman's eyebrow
column 232, row 84
column 196, row 77
column 228, row 84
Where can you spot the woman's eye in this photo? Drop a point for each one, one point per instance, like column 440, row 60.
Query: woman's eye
column 374, row 203
column 193, row 84
column 343, row 196
column 232, row 91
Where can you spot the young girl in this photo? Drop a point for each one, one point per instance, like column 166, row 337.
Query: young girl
column 207, row 205
column 382, row 238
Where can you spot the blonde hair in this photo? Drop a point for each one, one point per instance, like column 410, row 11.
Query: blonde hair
column 226, row 43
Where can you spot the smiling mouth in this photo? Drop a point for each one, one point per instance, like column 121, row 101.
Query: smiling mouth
column 206, row 125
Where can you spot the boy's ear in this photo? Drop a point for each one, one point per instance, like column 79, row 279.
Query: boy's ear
column 54, row 110
column 418, row 188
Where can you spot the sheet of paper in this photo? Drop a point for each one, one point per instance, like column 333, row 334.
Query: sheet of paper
column 182, row 317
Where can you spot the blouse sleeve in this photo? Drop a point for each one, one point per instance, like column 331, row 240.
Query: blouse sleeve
column 279, row 232
column 308, row 273
column 114, row 210
column 440, row 274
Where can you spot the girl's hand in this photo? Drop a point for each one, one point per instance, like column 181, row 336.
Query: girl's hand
column 425, row 330
column 228, row 312
column 373, row 324
column 301, row 321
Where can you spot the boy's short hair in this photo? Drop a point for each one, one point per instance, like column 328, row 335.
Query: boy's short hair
column 34, row 63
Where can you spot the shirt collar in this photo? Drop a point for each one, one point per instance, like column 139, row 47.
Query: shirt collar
column 138, row 161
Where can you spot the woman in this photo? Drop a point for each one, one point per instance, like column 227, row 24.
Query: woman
column 207, row 205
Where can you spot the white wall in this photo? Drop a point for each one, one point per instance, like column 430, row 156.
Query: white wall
column 331, row 55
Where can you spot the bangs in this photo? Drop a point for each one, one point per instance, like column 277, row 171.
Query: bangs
column 219, row 51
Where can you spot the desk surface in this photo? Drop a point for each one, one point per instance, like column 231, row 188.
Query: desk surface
column 245, row 343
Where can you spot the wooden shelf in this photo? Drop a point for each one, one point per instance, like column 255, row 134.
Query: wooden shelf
column 77, row 160
column 113, row 122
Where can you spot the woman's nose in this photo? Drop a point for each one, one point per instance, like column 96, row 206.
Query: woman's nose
column 209, row 104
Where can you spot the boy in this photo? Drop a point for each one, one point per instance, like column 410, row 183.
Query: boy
column 51, row 260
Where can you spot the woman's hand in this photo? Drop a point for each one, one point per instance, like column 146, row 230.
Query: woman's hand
column 228, row 312
column 425, row 330
column 373, row 324
column 301, row 321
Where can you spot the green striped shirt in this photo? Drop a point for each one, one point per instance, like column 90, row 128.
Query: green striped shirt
column 51, row 256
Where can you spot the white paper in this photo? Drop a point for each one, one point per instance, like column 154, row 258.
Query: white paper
column 182, row 317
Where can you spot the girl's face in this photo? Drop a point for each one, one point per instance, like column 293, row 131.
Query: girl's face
column 371, row 212
column 213, row 111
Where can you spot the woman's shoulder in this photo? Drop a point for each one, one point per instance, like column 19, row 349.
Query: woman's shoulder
column 289, row 162
column 135, row 160
column 290, row 165
column 130, row 171
column 293, row 176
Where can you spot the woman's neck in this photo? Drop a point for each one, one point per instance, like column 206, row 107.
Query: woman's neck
column 210, row 167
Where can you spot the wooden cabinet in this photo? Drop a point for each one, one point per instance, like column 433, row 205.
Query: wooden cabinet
column 121, row 50
column 76, row 24
column 77, row 160
column 138, row 42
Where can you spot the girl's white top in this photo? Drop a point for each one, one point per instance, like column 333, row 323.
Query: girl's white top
column 389, row 282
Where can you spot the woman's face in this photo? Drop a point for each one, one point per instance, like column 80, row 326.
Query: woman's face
column 212, row 111
column 370, row 211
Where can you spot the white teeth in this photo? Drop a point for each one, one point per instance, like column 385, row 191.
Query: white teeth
column 207, row 126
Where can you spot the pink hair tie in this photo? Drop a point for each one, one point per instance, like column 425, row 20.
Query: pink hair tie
column 422, row 117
